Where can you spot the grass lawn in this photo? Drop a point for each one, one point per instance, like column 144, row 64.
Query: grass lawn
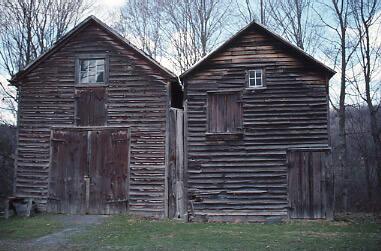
column 127, row 233
column 19, row 228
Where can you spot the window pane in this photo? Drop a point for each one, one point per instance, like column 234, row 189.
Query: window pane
column 251, row 74
column 100, row 64
column 92, row 77
column 259, row 82
column 258, row 73
column 83, row 77
column 84, row 65
column 91, row 71
column 252, row 82
column 100, row 78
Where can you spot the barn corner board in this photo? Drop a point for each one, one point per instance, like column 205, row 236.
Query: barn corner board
column 104, row 129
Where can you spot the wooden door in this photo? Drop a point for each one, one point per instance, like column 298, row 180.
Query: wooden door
column 89, row 171
column 310, row 179
column 91, row 106
column 68, row 167
column 108, row 171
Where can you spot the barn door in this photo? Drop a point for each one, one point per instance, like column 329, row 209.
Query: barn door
column 68, row 167
column 89, row 171
column 108, row 171
column 310, row 182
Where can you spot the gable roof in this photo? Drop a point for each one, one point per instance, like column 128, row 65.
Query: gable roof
column 60, row 42
column 254, row 25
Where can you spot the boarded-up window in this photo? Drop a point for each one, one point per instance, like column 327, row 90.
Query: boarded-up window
column 224, row 112
column 91, row 106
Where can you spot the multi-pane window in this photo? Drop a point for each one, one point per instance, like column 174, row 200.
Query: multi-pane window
column 92, row 71
column 256, row 78
column 224, row 112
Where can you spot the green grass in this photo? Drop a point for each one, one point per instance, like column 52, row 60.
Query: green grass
column 128, row 233
column 19, row 228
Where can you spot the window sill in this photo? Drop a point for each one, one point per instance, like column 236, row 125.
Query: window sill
column 256, row 88
column 224, row 136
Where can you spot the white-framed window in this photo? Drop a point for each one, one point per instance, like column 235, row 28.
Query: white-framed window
column 91, row 71
column 256, row 78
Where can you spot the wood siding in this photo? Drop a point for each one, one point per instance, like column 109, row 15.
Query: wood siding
column 136, row 94
column 245, row 178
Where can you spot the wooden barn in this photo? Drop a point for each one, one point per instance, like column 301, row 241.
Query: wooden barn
column 256, row 132
column 93, row 126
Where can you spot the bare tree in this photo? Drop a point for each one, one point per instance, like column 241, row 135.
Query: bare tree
column 340, row 51
column 252, row 10
column 28, row 28
column 141, row 21
column 367, row 20
column 294, row 19
column 193, row 28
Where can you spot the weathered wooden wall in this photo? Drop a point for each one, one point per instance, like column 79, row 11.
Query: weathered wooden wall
column 245, row 178
column 137, row 96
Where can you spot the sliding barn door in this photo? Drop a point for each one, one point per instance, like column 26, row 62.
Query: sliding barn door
column 310, row 184
column 89, row 171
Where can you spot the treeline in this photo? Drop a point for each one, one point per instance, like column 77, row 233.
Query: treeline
column 356, row 185
column 7, row 149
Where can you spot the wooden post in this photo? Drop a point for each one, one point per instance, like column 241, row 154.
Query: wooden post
column 87, row 192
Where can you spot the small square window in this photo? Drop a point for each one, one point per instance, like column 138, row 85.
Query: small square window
column 256, row 78
column 92, row 71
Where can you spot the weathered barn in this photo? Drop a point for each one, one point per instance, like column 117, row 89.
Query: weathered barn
column 256, row 131
column 93, row 126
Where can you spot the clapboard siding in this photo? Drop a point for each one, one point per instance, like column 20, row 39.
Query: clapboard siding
column 246, row 178
column 136, row 95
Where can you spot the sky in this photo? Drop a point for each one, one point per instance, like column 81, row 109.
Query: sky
column 104, row 9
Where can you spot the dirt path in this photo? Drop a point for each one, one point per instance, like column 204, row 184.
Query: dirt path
column 73, row 224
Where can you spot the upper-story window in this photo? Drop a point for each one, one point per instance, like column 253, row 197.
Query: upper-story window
column 92, row 71
column 256, row 78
